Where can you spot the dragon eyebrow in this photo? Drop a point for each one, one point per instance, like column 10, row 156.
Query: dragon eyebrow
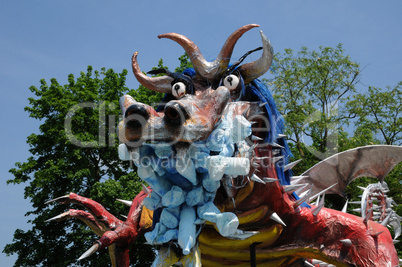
column 241, row 59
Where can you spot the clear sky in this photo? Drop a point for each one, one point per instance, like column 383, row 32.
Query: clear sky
column 46, row 39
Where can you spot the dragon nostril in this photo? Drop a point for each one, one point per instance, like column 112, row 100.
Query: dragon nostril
column 175, row 114
column 172, row 113
column 136, row 116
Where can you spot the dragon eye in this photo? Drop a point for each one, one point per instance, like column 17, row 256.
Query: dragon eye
column 231, row 82
column 178, row 89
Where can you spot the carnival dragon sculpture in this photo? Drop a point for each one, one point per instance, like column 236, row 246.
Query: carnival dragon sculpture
column 221, row 190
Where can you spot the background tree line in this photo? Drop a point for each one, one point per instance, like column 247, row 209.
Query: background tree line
column 316, row 92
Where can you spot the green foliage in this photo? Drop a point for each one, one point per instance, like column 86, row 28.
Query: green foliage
column 316, row 93
column 58, row 165
column 379, row 111
column 309, row 88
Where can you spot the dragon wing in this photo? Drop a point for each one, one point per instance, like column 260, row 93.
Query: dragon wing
column 342, row 168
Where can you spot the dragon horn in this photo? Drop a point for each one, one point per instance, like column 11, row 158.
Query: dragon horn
column 158, row 84
column 253, row 70
column 209, row 70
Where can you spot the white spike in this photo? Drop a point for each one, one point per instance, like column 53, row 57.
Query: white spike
column 317, row 202
column 377, row 234
column 355, row 202
column 298, row 177
column 58, row 198
column 58, row 217
column 362, row 188
column 255, row 138
column 269, row 180
column 291, row 165
column 307, row 264
column 314, row 261
column 90, row 251
column 145, row 189
column 357, row 210
column 257, row 179
column 306, row 198
column 127, row 202
column 251, row 149
column 345, row 207
column 386, row 220
column 276, row 145
column 275, row 217
column 346, row 242
column 325, row 190
column 291, row 188
column 303, row 194
column 124, row 216
column 316, row 210
column 281, row 136
column 263, row 104
column 395, row 241
column 322, row 246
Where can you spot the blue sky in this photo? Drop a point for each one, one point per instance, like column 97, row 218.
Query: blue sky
column 46, row 39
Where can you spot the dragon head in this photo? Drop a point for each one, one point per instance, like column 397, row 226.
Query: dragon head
column 196, row 99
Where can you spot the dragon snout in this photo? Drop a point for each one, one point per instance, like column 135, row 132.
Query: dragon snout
column 136, row 116
column 175, row 113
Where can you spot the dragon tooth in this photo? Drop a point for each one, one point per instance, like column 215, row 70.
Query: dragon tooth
column 124, row 216
column 263, row 104
column 322, row 246
column 307, row 264
column 346, row 242
column 90, row 251
column 126, row 202
column 362, row 188
column 275, row 217
column 281, row 136
column 345, row 207
column 291, row 165
column 257, row 179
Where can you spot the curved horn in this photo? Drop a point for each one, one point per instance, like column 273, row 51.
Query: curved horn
column 158, row 84
column 209, row 70
column 253, row 70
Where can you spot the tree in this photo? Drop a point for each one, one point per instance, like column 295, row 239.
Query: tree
column 74, row 151
column 379, row 111
column 310, row 88
column 316, row 93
